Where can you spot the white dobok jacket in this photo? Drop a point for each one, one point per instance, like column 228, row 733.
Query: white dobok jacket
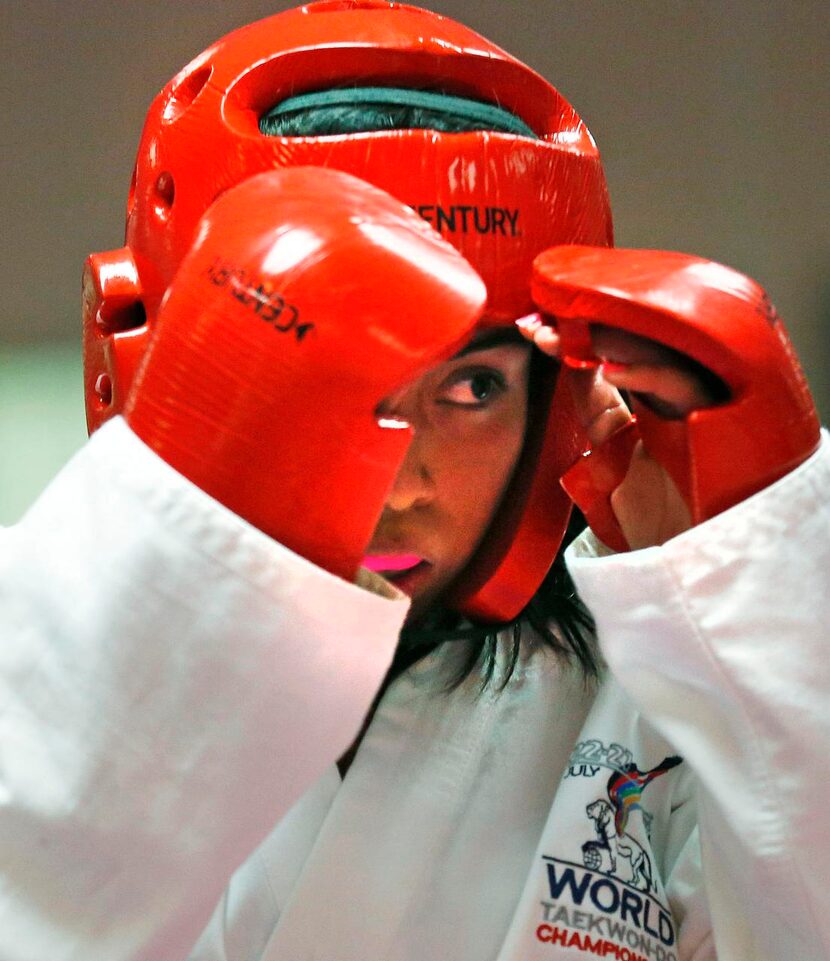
column 175, row 689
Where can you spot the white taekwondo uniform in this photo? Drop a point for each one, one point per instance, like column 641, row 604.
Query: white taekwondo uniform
column 176, row 688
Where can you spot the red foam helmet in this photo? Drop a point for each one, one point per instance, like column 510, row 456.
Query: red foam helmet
column 500, row 198
column 717, row 456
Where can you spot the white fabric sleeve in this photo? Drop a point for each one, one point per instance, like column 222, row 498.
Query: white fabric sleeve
column 721, row 637
column 171, row 680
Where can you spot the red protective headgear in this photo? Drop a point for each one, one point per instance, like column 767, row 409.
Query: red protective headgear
column 499, row 198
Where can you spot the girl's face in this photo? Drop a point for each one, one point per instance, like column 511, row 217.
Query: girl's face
column 469, row 416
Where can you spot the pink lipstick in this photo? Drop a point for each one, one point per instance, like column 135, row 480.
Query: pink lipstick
column 391, row 563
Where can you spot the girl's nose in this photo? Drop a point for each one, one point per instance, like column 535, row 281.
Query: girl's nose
column 414, row 484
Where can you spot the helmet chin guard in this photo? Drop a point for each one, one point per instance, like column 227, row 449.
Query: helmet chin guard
column 500, row 198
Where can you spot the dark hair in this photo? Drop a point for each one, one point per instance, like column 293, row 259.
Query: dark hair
column 555, row 612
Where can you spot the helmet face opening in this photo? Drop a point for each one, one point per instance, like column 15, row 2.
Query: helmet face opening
column 504, row 83
column 340, row 110
column 499, row 197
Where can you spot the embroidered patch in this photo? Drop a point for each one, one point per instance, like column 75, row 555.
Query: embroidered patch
column 610, row 905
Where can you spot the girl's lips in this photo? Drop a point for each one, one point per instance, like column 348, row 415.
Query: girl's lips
column 391, row 563
column 408, row 572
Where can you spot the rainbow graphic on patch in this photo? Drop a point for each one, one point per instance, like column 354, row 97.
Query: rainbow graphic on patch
column 625, row 789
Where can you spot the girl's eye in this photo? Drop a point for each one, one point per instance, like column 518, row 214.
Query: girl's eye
column 472, row 388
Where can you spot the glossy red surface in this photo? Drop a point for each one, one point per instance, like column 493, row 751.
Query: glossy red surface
column 500, row 199
column 722, row 319
column 250, row 388
column 592, row 480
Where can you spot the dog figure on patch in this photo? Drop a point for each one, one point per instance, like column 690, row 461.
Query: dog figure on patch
column 610, row 819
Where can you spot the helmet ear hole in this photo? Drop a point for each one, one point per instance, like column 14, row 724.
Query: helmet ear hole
column 103, row 391
column 126, row 317
column 165, row 194
column 185, row 92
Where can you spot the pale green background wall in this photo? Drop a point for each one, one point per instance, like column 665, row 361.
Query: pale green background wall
column 41, row 419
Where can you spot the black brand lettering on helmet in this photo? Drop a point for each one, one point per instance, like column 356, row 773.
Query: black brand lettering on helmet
column 463, row 211
column 483, row 224
column 463, row 219
column 218, row 274
column 259, row 296
column 426, row 212
column 446, row 218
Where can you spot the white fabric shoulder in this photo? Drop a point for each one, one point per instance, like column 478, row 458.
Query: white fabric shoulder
column 721, row 637
column 171, row 684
